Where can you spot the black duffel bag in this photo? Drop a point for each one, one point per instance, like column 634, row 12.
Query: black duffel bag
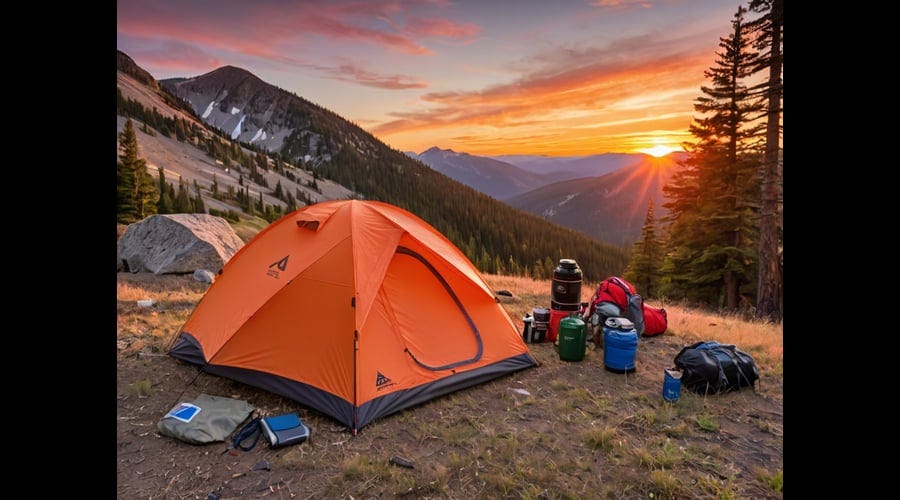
column 711, row 367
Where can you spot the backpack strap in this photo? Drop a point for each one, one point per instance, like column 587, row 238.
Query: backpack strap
column 249, row 430
column 737, row 364
column 617, row 281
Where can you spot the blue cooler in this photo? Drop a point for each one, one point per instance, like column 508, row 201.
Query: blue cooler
column 620, row 340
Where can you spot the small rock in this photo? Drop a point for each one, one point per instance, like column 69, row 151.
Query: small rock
column 145, row 303
column 212, row 496
column 402, row 462
column 204, row 276
column 264, row 465
column 520, row 391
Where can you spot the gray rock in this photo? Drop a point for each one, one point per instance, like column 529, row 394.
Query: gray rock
column 204, row 276
column 177, row 243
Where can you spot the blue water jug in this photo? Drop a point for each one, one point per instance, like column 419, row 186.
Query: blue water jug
column 620, row 341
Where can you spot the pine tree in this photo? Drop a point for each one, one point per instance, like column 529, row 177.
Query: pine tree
column 262, row 162
column 711, row 257
column 646, row 257
column 136, row 195
column 291, row 203
column 278, row 191
column 166, row 203
column 183, row 203
column 125, row 205
column 215, row 188
column 769, row 31
column 197, row 203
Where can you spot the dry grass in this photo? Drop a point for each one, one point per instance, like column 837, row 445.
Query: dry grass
column 174, row 298
column 762, row 340
column 581, row 432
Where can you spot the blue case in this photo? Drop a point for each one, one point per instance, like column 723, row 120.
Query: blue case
column 283, row 430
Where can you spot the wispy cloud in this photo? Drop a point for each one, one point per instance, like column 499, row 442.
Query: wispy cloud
column 574, row 85
column 646, row 4
column 571, row 102
column 177, row 56
column 355, row 74
column 440, row 27
column 264, row 28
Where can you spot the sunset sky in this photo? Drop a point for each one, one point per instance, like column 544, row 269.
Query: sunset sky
column 486, row 77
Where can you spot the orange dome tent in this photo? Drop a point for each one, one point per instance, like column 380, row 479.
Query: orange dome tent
column 357, row 309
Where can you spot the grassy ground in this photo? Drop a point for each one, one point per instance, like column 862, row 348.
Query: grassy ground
column 561, row 430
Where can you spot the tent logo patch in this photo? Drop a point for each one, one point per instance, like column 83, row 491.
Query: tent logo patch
column 280, row 265
column 382, row 382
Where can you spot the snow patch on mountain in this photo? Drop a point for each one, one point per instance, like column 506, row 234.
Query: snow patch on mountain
column 234, row 110
column 260, row 134
column 237, row 130
column 208, row 110
column 568, row 198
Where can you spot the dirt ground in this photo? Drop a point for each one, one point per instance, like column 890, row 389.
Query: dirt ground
column 580, row 431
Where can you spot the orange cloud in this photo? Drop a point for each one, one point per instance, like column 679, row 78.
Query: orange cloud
column 579, row 102
column 441, row 27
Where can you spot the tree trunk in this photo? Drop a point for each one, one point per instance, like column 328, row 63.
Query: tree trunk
column 769, row 287
column 732, row 289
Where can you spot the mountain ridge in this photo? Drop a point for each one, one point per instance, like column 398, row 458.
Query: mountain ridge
column 494, row 178
column 494, row 236
column 611, row 207
column 585, row 193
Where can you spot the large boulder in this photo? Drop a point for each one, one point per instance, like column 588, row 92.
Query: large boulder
column 177, row 243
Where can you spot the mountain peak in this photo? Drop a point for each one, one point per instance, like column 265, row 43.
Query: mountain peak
column 435, row 149
column 231, row 74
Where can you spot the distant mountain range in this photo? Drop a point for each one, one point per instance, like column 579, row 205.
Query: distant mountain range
column 230, row 128
column 611, row 207
column 604, row 196
column 492, row 177
column 571, row 167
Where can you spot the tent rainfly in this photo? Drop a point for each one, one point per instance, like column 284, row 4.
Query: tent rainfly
column 357, row 309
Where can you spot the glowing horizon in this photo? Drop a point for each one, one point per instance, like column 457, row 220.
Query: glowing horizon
column 487, row 78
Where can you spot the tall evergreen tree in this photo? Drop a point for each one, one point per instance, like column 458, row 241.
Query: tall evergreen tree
column 714, row 199
column 183, row 203
column 125, row 203
column 214, row 188
column 136, row 195
column 769, row 31
column 166, row 203
column 646, row 257
column 197, row 203
column 278, row 191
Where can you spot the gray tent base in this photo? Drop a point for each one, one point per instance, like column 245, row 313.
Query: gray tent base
column 188, row 349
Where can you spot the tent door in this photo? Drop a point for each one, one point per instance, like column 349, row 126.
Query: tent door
column 455, row 340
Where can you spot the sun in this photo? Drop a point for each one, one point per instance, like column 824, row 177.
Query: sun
column 659, row 150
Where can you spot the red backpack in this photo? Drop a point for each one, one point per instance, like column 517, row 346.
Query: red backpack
column 624, row 295
column 648, row 320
